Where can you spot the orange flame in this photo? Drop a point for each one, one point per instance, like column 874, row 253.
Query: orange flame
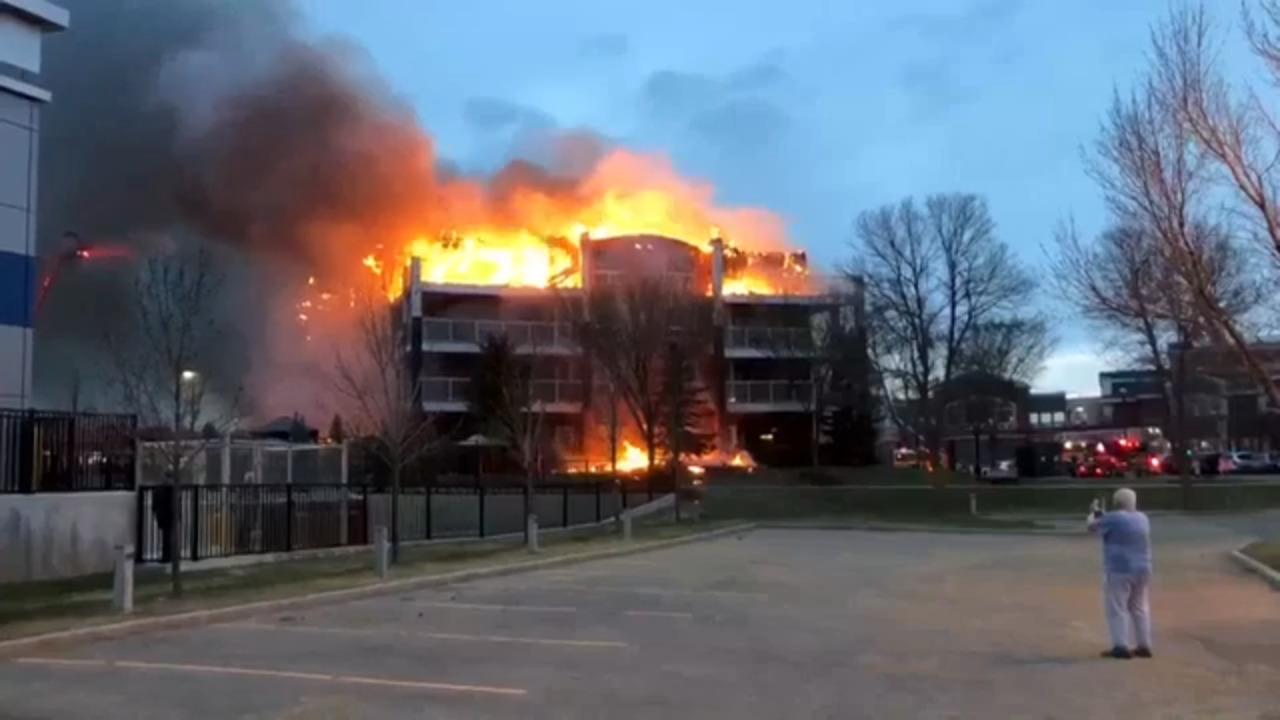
column 531, row 238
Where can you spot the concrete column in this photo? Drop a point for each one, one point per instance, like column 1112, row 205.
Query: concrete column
column 717, row 268
column 531, row 531
column 586, row 264
column 344, row 528
column 122, row 584
column 226, row 460
column 257, row 464
column 381, row 551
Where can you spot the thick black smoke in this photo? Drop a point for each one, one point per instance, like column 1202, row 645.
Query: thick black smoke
column 220, row 122
column 212, row 120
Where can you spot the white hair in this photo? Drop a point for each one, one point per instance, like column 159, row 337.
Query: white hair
column 1125, row 499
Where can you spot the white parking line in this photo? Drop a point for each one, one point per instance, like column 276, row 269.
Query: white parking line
column 272, row 674
column 659, row 614
column 635, row 590
column 562, row 642
column 497, row 608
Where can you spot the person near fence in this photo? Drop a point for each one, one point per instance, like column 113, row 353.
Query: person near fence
column 162, row 509
column 1126, row 559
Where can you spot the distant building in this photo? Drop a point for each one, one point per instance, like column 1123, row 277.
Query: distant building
column 23, row 24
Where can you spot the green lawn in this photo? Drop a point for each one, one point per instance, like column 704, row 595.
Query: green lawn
column 1267, row 553
column 30, row 608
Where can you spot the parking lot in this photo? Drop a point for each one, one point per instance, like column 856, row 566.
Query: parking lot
column 773, row 624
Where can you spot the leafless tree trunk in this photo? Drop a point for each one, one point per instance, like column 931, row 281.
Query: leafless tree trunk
column 1207, row 134
column 382, row 397
column 626, row 330
column 163, row 368
column 504, row 395
column 829, row 345
column 932, row 273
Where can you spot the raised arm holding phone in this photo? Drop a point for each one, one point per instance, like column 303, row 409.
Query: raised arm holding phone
column 1126, row 559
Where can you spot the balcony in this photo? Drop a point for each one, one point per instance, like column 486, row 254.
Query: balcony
column 768, row 395
column 745, row 342
column 452, row 395
column 441, row 335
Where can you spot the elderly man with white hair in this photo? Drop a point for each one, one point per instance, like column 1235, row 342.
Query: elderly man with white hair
column 1126, row 558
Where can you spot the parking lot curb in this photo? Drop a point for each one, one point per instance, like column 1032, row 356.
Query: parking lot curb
column 107, row 631
column 1271, row 577
column 932, row 529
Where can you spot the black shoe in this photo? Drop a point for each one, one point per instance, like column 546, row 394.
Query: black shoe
column 1119, row 653
column 1142, row 652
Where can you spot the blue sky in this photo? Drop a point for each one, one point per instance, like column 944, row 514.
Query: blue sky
column 813, row 109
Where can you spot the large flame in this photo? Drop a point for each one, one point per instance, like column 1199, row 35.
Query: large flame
column 531, row 238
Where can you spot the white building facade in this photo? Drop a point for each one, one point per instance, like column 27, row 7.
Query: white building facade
column 23, row 24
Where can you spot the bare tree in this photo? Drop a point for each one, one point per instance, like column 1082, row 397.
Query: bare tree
column 1013, row 349
column 163, row 353
column 504, row 395
column 627, row 330
column 833, row 349
column 382, row 397
column 932, row 273
column 1123, row 287
column 1222, row 137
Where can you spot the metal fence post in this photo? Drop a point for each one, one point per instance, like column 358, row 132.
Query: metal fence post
column 427, row 502
column 599, row 517
column 564, row 504
column 480, row 496
column 196, row 509
column 288, row 518
column 141, row 516
column 381, row 551
column 364, row 529
column 27, row 452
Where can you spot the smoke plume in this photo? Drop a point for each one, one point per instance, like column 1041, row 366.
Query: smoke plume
column 221, row 122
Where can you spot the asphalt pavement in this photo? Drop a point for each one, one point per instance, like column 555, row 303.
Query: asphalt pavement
column 775, row 624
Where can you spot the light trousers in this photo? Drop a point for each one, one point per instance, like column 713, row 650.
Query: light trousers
column 1128, row 608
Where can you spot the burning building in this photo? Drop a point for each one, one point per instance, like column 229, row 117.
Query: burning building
column 758, row 373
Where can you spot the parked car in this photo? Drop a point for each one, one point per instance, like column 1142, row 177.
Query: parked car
column 1243, row 463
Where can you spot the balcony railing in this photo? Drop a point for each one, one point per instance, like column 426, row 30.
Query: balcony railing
column 769, row 340
column 455, row 390
column 521, row 333
column 768, row 392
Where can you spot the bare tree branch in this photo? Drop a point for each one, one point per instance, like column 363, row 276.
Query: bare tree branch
column 932, row 274
column 1202, row 134
column 504, row 395
column 381, row 397
column 628, row 329
column 162, row 367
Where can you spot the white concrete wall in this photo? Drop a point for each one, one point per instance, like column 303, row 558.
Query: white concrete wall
column 54, row 536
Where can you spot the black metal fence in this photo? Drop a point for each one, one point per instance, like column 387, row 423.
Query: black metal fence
column 44, row 451
column 221, row 521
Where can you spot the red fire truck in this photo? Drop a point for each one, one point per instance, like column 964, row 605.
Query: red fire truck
column 1115, row 457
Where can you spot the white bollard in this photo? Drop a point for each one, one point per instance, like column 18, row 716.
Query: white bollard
column 626, row 528
column 973, row 504
column 381, row 551
column 531, row 533
column 122, row 585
